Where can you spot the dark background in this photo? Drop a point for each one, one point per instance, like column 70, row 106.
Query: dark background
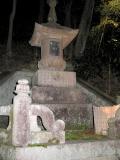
column 28, row 12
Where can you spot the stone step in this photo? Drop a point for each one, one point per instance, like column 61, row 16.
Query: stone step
column 58, row 95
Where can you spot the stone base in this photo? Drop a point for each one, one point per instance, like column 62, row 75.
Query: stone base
column 54, row 78
column 97, row 150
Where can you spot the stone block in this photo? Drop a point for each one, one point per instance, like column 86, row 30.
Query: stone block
column 54, row 78
column 101, row 116
column 60, row 95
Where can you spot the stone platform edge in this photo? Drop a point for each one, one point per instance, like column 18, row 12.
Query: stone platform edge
column 84, row 150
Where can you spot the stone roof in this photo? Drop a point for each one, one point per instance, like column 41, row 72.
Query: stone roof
column 52, row 30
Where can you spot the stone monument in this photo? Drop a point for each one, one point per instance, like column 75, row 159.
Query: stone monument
column 52, row 85
column 52, row 38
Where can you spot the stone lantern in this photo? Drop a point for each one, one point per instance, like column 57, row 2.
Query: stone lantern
column 52, row 38
column 52, row 86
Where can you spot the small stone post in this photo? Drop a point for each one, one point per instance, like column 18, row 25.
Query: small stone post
column 21, row 107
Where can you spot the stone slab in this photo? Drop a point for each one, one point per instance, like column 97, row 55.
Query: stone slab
column 60, row 95
column 95, row 150
column 101, row 116
column 76, row 114
column 54, row 78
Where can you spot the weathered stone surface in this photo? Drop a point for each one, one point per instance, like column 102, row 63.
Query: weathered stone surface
column 55, row 78
column 95, row 150
column 101, row 116
column 73, row 113
column 60, row 95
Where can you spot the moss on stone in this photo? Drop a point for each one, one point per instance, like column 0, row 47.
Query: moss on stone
column 51, row 141
column 38, row 145
column 75, row 126
column 82, row 135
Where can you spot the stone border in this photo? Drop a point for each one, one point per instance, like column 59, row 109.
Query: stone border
column 95, row 150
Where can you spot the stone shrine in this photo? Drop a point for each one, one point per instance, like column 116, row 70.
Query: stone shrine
column 52, row 85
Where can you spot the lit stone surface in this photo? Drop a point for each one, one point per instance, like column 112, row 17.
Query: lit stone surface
column 101, row 116
column 114, row 126
column 55, row 78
